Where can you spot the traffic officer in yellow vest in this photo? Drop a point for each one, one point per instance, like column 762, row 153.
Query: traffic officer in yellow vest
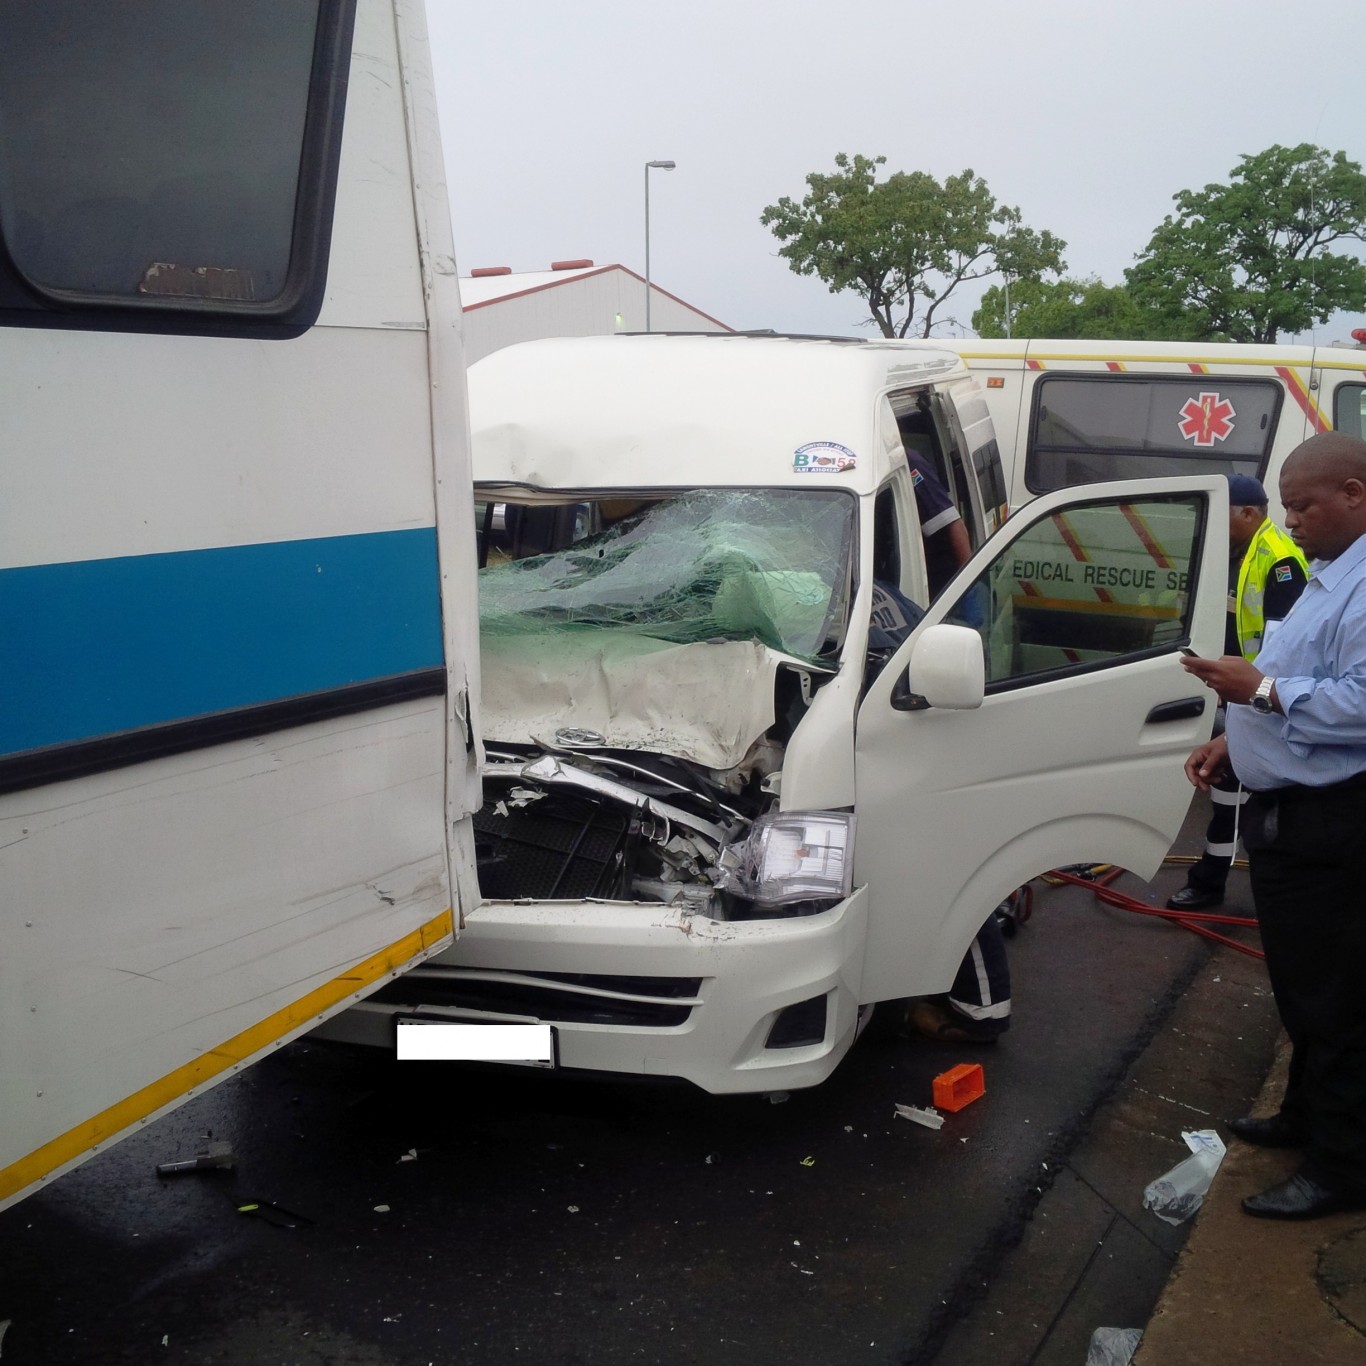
column 1266, row 575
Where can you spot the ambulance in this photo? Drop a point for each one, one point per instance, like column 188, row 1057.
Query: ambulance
column 730, row 799
column 1073, row 412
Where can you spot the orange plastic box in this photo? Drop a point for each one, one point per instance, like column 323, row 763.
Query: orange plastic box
column 959, row 1086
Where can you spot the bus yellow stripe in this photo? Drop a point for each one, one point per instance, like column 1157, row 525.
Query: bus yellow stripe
column 234, row 1051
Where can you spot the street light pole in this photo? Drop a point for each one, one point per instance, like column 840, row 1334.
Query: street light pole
column 649, row 166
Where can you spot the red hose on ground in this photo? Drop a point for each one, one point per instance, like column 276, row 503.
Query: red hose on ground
column 1186, row 919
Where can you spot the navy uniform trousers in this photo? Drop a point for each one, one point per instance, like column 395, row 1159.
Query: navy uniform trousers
column 1307, row 860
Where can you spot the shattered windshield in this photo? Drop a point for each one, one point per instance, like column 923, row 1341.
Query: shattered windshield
column 717, row 564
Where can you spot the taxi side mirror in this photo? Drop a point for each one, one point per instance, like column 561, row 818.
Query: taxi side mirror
column 947, row 669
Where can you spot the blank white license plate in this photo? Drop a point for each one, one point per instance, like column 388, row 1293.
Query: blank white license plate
column 424, row 1039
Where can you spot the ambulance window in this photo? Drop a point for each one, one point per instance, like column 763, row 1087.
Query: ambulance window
column 1086, row 588
column 171, row 159
column 1089, row 428
column 1349, row 409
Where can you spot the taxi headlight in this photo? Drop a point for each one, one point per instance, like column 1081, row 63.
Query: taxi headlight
column 792, row 856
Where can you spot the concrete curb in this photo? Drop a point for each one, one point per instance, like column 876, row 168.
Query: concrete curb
column 1258, row 1292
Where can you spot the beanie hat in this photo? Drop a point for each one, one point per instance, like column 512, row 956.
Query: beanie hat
column 1245, row 492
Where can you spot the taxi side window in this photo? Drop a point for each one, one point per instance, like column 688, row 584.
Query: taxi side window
column 1087, row 588
column 886, row 538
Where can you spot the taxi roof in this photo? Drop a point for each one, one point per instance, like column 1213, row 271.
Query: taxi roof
column 673, row 411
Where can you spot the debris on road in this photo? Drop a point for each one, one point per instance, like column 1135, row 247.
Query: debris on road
column 959, row 1086
column 1113, row 1346
column 273, row 1213
column 1177, row 1194
column 218, row 1156
column 930, row 1118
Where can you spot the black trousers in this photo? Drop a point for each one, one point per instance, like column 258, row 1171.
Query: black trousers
column 1307, row 859
column 1210, row 871
column 981, row 990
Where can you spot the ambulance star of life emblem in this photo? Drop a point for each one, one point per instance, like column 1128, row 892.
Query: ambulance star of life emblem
column 1206, row 419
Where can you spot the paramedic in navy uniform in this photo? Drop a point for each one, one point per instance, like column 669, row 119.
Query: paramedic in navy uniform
column 1297, row 738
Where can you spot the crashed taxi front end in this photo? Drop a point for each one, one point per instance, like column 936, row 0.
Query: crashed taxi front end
column 648, row 660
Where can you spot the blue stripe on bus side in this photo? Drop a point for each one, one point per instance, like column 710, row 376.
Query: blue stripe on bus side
column 102, row 646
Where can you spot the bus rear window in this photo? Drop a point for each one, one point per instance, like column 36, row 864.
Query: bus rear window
column 163, row 154
column 1090, row 428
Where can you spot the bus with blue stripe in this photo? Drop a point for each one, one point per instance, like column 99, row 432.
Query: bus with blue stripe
column 238, row 650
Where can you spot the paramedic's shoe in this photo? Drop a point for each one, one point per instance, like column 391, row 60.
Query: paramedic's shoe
column 1275, row 1131
column 1301, row 1197
column 1195, row 898
column 939, row 1022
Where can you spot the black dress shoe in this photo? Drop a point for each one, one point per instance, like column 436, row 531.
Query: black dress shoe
column 1301, row 1198
column 1195, row 898
column 1273, row 1132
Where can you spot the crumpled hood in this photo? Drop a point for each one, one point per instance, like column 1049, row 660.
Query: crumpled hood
column 706, row 702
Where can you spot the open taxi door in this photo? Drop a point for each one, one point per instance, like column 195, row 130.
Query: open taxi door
column 1038, row 716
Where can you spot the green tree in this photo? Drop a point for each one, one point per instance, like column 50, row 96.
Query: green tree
column 906, row 243
column 1062, row 308
column 1249, row 260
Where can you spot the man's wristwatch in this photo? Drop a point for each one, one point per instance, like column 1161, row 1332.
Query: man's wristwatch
column 1260, row 701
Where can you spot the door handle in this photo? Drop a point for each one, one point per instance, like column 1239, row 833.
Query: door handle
column 1183, row 709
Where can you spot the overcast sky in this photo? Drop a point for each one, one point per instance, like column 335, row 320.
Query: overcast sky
column 1087, row 116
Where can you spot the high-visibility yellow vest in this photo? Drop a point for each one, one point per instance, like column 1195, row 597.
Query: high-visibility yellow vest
column 1268, row 546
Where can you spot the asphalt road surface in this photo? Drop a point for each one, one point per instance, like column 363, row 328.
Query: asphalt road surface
column 563, row 1222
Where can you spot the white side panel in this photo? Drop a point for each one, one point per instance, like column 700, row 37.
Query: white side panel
column 146, row 929
column 957, row 808
column 213, row 442
column 164, row 922
column 451, row 466
column 373, row 279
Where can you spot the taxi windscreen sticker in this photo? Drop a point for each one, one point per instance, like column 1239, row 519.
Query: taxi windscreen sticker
column 823, row 457
column 1206, row 419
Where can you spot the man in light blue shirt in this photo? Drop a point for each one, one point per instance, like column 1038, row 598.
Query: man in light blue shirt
column 1297, row 738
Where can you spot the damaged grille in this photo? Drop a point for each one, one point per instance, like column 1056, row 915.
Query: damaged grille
column 563, row 998
column 569, row 848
